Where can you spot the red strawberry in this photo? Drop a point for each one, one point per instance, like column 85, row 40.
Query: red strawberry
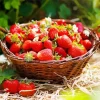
column 15, row 29
column 48, row 44
column 15, row 48
column 37, row 46
column 87, row 44
column 60, row 51
column 64, row 41
column 45, row 54
column 34, row 54
column 31, row 26
column 31, row 35
column 27, row 45
column 80, row 26
column 61, row 22
column 8, row 39
column 63, row 32
column 42, row 36
column 85, row 34
column 53, row 32
column 20, row 55
column 76, row 50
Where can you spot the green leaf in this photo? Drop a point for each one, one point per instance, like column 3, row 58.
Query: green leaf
column 7, row 73
column 3, row 14
column 50, row 8
column 26, row 9
column 64, row 11
column 15, row 4
column 4, row 22
column 12, row 16
column 7, row 4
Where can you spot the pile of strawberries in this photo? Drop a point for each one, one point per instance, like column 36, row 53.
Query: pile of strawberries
column 48, row 40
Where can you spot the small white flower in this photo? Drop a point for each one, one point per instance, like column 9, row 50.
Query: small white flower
column 48, row 20
column 75, row 28
column 86, row 32
column 34, row 29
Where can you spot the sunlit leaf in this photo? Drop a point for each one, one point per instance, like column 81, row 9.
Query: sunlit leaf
column 7, row 4
column 3, row 22
column 15, row 4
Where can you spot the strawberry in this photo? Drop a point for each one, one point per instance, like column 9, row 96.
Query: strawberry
column 48, row 44
column 53, row 32
column 31, row 35
column 15, row 48
column 15, row 29
column 31, row 26
column 76, row 50
column 60, row 51
column 61, row 22
column 42, row 36
column 27, row 45
column 28, row 57
column 80, row 26
column 85, row 34
column 62, row 32
column 45, row 55
column 8, row 39
column 87, row 44
column 37, row 46
column 20, row 55
column 34, row 54
column 64, row 41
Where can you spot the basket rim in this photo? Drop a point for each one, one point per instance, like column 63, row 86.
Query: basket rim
column 10, row 54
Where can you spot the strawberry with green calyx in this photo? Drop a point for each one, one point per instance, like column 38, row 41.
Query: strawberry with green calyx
column 16, row 38
column 43, row 39
column 26, row 88
column 8, row 39
column 28, row 57
column 15, row 28
column 31, row 34
column 85, row 34
column 64, row 41
column 76, row 50
column 87, row 44
column 45, row 55
column 57, row 56
column 69, row 27
column 60, row 51
column 53, row 32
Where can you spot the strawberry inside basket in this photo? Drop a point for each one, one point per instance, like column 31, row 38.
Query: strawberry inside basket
column 49, row 48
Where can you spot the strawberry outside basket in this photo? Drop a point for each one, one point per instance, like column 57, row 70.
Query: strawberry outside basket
column 51, row 70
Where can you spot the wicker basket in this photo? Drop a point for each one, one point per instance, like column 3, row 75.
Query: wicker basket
column 50, row 70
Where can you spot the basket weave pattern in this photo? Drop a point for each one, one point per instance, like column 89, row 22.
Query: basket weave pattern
column 49, row 70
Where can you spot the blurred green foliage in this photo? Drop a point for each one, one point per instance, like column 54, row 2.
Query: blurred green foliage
column 21, row 11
